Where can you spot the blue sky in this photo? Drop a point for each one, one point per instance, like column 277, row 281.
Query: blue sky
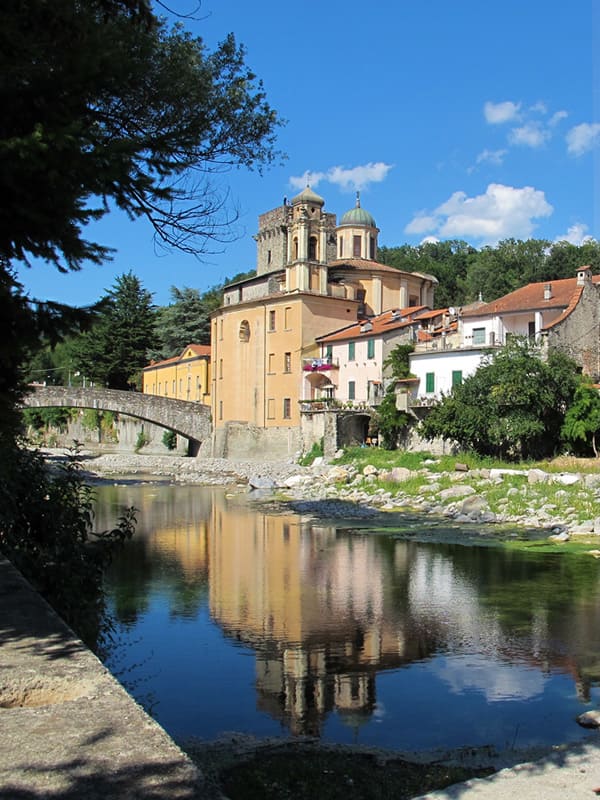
column 469, row 120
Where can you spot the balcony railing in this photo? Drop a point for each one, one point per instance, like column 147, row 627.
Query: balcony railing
column 319, row 364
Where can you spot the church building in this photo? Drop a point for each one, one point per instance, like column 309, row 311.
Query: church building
column 313, row 276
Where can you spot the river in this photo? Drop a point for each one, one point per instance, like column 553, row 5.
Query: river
column 232, row 617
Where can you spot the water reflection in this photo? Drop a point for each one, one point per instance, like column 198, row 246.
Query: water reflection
column 362, row 630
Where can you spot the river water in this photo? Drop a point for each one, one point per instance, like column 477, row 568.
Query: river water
column 229, row 617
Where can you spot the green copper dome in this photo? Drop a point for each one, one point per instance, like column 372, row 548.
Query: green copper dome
column 308, row 197
column 358, row 216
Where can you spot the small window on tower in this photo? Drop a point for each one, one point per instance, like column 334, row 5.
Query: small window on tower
column 356, row 246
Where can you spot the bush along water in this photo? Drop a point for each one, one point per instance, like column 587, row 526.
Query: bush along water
column 46, row 530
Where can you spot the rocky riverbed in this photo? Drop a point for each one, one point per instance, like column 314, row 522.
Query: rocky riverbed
column 563, row 504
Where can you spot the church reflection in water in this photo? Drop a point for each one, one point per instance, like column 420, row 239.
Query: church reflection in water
column 326, row 610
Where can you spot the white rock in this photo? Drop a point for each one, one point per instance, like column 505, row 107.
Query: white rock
column 537, row 476
column 559, row 537
column 589, row 719
column 456, row 491
column 296, row 480
column 400, row 474
column 567, row 478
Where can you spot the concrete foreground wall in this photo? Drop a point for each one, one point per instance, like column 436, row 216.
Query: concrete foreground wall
column 68, row 728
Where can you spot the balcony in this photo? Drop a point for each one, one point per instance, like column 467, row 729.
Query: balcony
column 319, row 364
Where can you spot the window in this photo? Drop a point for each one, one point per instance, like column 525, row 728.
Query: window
column 287, row 408
column 351, row 390
column 372, row 248
column 371, row 348
column 288, row 317
column 341, row 247
column 244, row 331
column 478, row 335
column 351, row 351
column 174, row 387
column 268, row 256
column 220, row 409
column 271, row 362
column 329, row 352
column 220, row 368
column 430, row 382
column 531, row 330
column 312, row 248
column 356, row 246
column 287, row 362
column 220, row 329
column 271, row 408
column 271, row 320
column 456, row 377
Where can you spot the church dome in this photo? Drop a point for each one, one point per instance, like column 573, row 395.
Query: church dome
column 358, row 216
column 308, row 197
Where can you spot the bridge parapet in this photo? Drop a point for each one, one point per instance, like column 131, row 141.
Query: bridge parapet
column 192, row 420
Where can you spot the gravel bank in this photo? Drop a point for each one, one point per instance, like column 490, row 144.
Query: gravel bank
column 208, row 471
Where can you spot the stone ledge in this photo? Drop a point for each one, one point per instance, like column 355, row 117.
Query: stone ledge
column 69, row 729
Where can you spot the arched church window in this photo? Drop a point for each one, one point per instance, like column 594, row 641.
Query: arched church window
column 244, row 331
column 312, row 248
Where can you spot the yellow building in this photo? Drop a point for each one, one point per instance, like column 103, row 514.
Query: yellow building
column 313, row 276
column 183, row 377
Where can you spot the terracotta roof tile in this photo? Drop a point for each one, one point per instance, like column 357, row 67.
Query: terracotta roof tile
column 197, row 349
column 531, row 298
column 391, row 320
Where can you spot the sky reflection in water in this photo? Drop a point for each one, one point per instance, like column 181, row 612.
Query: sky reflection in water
column 233, row 619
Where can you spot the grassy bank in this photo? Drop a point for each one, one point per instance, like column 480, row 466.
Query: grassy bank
column 513, row 497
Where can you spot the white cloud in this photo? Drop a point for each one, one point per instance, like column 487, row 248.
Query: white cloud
column 421, row 223
column 429, row 240
column 532, row 134
column 583, row 138
column 500, row 213
column 577, row 234
column 539, row 108
column 307, row 178
column 491, row 157
column 497, row 113
column 354, row 178
column 557, row 117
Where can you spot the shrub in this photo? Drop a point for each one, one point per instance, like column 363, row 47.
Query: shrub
column 169, row 440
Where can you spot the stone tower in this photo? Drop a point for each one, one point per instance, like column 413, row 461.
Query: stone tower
column 296, row 232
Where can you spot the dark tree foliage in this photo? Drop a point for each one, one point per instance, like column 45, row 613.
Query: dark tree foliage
column 581, row 428
column 390, row 422
column 466, row 274
column 513, row 407
column 447, row 261
column 107, row 104
column 115, row 350
column 46, row 531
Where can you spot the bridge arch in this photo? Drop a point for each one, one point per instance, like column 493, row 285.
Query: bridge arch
column 191, row 420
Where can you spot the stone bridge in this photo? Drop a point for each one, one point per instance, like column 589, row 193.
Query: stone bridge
column 192, row 420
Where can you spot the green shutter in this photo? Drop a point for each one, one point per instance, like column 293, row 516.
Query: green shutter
column 430, row 382
column 456, row 377
column 351, row 356
column 351, row 390
column 371, row 348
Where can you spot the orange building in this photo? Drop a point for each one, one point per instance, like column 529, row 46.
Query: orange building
column 313, row 276
column 183, row 377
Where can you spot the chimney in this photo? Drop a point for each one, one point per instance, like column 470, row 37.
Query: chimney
column 584, row 276
column 548, row 291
